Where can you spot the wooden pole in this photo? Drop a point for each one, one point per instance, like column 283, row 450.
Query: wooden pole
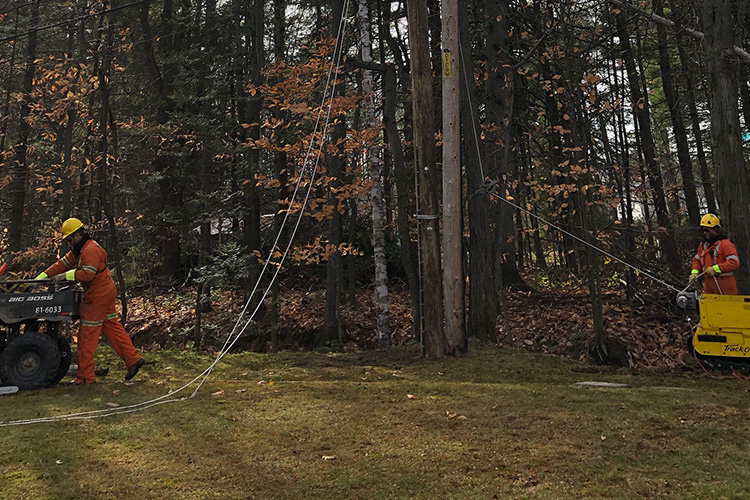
column 453, row 276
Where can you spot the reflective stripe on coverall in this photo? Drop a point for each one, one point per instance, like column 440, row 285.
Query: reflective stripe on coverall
column 98, row 313
column 723, row 254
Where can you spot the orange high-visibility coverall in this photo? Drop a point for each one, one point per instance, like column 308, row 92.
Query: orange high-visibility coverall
column 721, row 253
column 97, row 308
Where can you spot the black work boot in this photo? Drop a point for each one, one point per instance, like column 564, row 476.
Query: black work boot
column 133, row 370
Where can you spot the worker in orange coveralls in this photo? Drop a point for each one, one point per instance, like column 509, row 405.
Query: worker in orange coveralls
column 717, row 257
column 86, row 263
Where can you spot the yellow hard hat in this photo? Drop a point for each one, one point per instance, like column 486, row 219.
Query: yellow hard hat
column 710, row 220
column 70, row 226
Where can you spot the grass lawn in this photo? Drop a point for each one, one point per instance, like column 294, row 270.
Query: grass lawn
column 496, row 423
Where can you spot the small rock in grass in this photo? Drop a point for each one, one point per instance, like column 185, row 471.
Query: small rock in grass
column 610, row 385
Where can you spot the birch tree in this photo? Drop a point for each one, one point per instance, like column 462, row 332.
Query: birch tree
column 374, row 160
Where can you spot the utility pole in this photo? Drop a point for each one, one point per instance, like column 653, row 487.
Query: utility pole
column 453, row 276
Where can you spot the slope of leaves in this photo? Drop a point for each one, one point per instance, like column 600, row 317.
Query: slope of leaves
column 561, row 324
column 552, row 322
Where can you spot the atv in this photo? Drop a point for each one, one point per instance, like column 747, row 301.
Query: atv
column 721, row 340
column 33, row 353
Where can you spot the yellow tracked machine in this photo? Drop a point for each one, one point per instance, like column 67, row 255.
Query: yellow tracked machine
column 721, row 339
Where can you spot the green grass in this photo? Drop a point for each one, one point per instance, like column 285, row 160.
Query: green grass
column 496, row 423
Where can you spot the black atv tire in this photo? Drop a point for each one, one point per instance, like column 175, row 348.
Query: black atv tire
column 30, row 361
column 65, row 356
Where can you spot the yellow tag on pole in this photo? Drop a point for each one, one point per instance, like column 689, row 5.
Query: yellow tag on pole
column 447, row 64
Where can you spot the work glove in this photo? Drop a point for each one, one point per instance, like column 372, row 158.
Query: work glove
column 710, row 272
column 693, row 278
column 58, row 278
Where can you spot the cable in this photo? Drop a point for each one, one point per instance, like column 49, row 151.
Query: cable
column 717, row 285
column 691, row 284
column 645, row 273
column 471, row 108
column 16, row 7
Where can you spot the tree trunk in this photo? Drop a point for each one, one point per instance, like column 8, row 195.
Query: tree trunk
column 483, row 304
column 678, row 125
column 21, row 149
column 402, row 192
column 109, row 157
column 198, row 323
column 642, row 114
column 567, row 248
column 335, row 170
column 731, row 176
column 535, row 245
column 690, row 98
column 66, row 141
column 745, row 93
column 428, row 209
column 11, row 65
column 436, row 56
column 499, row 92
column 624, row 148
column 280, row 165
column 376, row 191
column 742, row 16
column 170, row 193
column 251, row 232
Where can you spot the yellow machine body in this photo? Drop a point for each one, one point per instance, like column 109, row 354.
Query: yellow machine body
column 724, row 329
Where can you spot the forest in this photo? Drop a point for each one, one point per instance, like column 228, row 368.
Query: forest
column 286, row 162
